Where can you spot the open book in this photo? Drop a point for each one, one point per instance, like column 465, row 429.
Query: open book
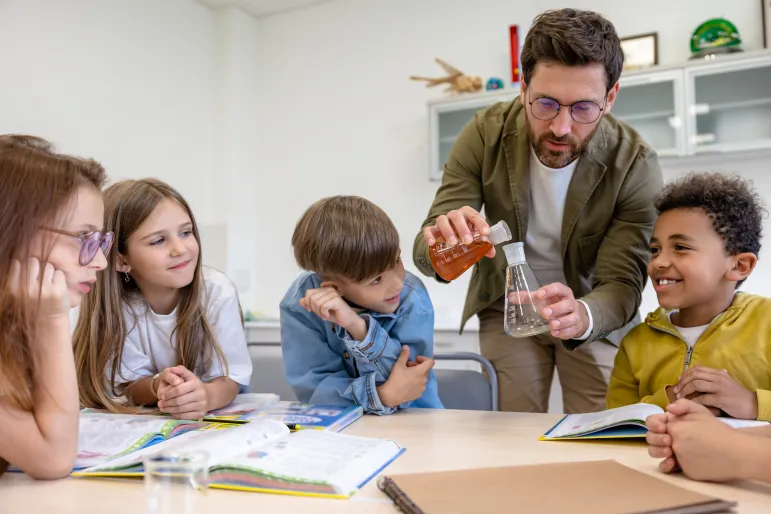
column 235, row 412
column 103, row 437
column 296, row 415
column 264, row 456
column 621, row 422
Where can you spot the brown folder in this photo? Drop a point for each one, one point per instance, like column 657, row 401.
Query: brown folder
column 598, row 487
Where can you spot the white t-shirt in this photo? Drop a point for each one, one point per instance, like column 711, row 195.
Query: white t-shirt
column 690, row 334
column 149, row 347
column 543, row 242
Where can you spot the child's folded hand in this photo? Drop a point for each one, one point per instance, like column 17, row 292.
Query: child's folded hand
column 660, row 443
column 705, row 448
column 715, row 388
column 166, row 381
column 407, row 381
column 188, row 399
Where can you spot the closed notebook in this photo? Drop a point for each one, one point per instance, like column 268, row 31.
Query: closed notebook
column 619, row 423
column 598, row 487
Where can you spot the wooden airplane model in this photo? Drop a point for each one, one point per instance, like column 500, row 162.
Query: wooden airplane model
column 458, row 81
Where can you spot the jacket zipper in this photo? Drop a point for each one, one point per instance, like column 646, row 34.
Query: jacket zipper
column 688, row 354
column 688, row 351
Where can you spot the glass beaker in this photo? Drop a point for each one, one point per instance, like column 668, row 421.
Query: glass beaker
column 175, row 481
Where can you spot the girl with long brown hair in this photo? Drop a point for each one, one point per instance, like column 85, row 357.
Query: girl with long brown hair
column 161, row 328
column 51, row 214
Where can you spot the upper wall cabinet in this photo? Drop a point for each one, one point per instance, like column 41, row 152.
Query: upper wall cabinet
column 448, row 116
column 653, row 104
column 729, row 106
column 720, row 105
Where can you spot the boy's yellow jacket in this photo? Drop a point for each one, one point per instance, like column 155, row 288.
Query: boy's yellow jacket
column 654, row 354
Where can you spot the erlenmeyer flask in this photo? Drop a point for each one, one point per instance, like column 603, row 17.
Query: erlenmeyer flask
column 450, row 262
column 522, row 317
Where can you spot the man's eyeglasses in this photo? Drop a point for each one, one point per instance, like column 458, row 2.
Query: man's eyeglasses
column 91, row 243
column 585, row 111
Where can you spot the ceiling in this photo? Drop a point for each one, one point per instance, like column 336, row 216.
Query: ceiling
column 262, row 8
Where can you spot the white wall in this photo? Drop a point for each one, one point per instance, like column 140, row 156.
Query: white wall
column 338, row 114
column 235, row 173
column 129, row 82
column 254, row 120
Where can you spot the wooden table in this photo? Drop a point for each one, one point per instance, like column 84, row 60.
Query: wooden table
column 435, row 440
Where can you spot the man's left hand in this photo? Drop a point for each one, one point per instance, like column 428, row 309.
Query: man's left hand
column 567, row 316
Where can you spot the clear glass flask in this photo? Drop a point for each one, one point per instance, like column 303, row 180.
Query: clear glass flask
column 522, row 316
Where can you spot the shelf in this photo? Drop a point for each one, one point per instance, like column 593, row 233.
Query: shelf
column 739, row 104
column 646, row 115
column 749, row 146
column 449, row 140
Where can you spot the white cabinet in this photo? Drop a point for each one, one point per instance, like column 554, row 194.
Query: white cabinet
column 448, row 116
column 729, row 106
column 718, row 105
column 653, row 104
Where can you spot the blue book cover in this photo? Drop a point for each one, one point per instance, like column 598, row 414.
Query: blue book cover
column 303, row 416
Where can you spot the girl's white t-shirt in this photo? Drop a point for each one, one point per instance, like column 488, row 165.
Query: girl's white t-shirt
column 150, row 347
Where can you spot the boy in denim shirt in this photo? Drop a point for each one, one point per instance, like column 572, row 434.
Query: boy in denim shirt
column 356, row 328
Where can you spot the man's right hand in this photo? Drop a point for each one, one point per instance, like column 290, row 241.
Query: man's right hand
column 456, row 227
column 407, row 380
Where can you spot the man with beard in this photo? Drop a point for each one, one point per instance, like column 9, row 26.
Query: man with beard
column 577, row 187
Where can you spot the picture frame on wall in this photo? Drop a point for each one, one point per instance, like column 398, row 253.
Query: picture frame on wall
column 641, row 51
column 766, row 6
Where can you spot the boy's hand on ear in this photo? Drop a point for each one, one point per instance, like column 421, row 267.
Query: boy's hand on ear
column 187, row 400
column 407, row 381
column 326, row 303
column 715, row 388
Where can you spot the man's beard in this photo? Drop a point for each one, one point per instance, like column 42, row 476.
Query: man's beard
column 552, row 158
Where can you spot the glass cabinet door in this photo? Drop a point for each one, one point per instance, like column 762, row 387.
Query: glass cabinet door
column 447, row 117
column 651, row 104
column 729, row 106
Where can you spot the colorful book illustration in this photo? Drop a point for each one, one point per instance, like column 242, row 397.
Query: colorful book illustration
column 103, row 436
column 301, row 416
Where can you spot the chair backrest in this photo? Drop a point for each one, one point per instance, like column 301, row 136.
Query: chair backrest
column 467, row 389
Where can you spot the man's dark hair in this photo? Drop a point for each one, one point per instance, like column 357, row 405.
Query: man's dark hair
column 573, row 37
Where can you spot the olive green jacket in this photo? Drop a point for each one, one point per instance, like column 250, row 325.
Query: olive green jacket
column 606, row 226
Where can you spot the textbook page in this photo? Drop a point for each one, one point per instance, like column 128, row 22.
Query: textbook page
column 103, row 436
column 218, row 443
column 341, row 460
column 577, row 424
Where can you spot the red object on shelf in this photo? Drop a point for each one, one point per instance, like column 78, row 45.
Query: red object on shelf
column 514, row 49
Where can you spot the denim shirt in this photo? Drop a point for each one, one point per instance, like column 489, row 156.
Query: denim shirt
column 325, row 365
